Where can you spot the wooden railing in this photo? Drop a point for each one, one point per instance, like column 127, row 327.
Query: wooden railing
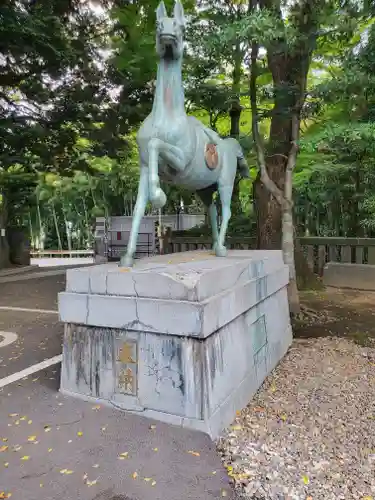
column 317, row 250
column 37, row 254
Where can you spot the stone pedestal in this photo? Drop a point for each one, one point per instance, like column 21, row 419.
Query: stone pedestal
column 185, row 338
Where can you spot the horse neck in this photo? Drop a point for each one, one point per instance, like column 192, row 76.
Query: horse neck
column 169, row 101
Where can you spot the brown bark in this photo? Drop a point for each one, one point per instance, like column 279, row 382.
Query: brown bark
column 289, row 69
column 4, row 247
column 235, row 118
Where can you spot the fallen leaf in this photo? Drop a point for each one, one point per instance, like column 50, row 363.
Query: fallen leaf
column 4, row 440
column 156, row 449
column 70, row 441
column 30, row 422
column 17, row 447
column 63, row 471
column 135, row 475
column 5, row 495
column 213, row 472
column 147, row 479
column 95, row 466
column 152, row 427
column 49, row 450
column 84, row 477
column 23, row 418
column 236, row 427
column 25, row 457
column 96, row 407
column 224, row 493
column 6, row 464
column 60, row 404
column 243, row 475
column 195, row 453
column 13, row 414
column 3, row 448
column 31, row 439
column 79, row 433
column 91, row 483
column 124, row 455
column 41, row 485
column 305, row 479
column 284, row 417
column 153, row 483
column 17, row 422
column 47, row 428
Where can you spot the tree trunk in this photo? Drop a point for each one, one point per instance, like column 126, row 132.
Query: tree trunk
column 41, row 229
column 4, row 247
column 56, row 227
column 235, row 118
column 268, row 215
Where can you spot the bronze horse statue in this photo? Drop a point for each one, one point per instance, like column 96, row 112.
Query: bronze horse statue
column 178, row 148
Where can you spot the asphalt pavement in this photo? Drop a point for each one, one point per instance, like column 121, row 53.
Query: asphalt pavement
column 54, row 447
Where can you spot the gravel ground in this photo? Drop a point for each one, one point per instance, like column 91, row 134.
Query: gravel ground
column 309, row 433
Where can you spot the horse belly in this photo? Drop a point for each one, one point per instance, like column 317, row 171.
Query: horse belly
column 198, row 175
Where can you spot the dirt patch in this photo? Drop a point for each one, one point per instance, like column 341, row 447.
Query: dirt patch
column 336, row 312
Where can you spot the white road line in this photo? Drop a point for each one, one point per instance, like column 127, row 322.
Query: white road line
column 30, row 370
column 9, row 338
column 25, row 309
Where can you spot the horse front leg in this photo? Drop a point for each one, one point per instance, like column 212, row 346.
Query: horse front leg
column 170, row 154
column 139, row 211
column 157, row 195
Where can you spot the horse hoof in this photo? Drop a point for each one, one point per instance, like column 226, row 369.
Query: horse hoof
column 220, row 251
column 159, row 199
column 126, row 261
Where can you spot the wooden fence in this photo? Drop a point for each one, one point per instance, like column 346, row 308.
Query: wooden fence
column 63, row 254
column 318, row 251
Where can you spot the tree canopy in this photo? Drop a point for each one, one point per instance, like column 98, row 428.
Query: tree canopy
column 76, row 81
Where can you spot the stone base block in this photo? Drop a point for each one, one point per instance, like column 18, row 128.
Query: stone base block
column 346, row 275
column 186, row 339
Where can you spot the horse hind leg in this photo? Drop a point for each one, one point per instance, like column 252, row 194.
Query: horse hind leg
column 212, row 212
column 225, row 183
column 206, row 195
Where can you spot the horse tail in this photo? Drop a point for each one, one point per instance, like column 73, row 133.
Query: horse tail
column 242, row 165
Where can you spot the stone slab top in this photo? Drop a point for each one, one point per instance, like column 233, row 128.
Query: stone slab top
column 190, row 276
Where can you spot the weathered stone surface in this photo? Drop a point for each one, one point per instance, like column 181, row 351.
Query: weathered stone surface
column 346, row 275
column 191, row 357
column 184, row 297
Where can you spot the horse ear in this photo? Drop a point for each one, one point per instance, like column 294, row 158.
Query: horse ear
column 161, row 11
column 179, row 13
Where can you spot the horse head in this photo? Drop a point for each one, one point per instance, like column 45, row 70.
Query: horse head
column 170, row 32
